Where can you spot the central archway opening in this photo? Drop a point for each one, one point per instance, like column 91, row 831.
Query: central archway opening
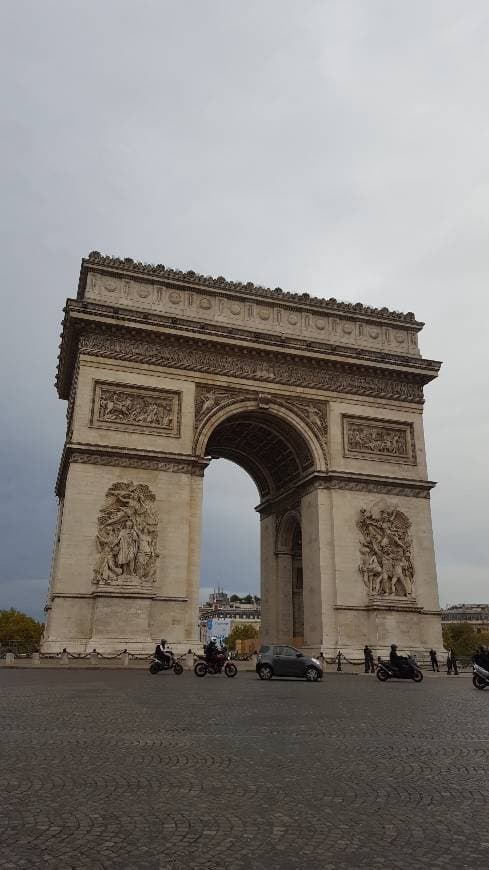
column 276, row 456
column 268, row 447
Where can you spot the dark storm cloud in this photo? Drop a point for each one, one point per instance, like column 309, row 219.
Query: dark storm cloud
column 339, row 147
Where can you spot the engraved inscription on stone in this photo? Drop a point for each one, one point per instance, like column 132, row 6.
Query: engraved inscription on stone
column 126, row 537
column 378, row 439
column 386, row 565
column 136, row 409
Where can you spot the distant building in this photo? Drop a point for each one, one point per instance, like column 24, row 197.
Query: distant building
column 476, row 615
column 217, row 599
column 220, row 607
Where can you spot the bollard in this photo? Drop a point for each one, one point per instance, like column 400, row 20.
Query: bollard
column 36, row 658
column 64, row 657
column 189, row 660
column 125, row 659
column 9, row 659
column 93, row 657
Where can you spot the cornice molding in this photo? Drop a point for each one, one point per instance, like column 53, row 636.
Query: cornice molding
column 348, row 482
column 103, row 312
column 88, row 454
column 255, row 364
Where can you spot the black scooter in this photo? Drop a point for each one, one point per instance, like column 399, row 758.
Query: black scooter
column 411, row 671
column 480, row 676
column 169, row 664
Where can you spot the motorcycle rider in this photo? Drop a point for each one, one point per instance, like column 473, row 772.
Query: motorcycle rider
column 397, row 661
column 212, row 649
column 161, row 653
column 481, row 658
column 213, row 654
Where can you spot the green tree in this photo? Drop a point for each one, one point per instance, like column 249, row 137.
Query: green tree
column 248, row 599
column 241, row 632
column 18, row 627
column 463, row 638
column 235, row 598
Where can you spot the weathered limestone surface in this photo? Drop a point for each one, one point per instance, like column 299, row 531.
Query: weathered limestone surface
column 320, row 401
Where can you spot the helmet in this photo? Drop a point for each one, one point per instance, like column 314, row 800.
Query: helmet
column 214, row 639
column 393, row 646
column 163, row 641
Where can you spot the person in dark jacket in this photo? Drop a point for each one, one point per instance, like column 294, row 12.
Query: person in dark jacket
column 398, row 661
column 481, row 657
column 161, row 652
column 453, row 661
column 212, row 650
column 369, row 660
column 434, row 660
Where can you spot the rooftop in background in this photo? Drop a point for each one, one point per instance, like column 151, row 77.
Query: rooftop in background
column 473, row 613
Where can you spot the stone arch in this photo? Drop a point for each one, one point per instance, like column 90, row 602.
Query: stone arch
column 273, row 444
column 286, row 531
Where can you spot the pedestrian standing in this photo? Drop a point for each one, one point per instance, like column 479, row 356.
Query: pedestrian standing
column 434, row 660
column 449, row 664
column 368, row 657
column 372, row 662
column 454, row 662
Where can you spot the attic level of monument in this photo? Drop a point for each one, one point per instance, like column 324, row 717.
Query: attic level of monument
column 148, row 272
column 123, row 301
column 247, row 309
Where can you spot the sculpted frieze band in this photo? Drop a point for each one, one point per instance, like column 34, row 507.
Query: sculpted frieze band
column 234, row 362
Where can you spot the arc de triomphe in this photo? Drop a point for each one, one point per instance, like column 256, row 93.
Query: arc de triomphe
column 320, row 401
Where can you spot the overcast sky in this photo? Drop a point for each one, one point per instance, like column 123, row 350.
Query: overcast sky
column 336, row 147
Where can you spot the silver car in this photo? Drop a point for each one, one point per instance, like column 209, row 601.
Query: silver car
column 278, row 660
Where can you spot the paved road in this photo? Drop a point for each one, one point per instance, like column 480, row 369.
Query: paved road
column 122, row 770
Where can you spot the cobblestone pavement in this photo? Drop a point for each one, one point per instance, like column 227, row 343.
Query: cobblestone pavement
column 106, row 769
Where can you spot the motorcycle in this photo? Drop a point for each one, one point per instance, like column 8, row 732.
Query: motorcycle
column 386, row 671
column 480, row 676
column 222, row 662
column 169, row 664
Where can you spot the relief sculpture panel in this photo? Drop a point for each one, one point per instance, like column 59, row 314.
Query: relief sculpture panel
column 127, row 536
column 135, row 409
column 378, row 439
column 386, row 564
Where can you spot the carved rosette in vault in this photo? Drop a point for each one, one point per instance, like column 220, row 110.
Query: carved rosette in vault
column 386, row 565
column 127, row 537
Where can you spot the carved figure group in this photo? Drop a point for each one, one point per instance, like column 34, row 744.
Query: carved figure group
column 126, row 537
column 377, row 439
column 386, row 563
column 122, row 407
